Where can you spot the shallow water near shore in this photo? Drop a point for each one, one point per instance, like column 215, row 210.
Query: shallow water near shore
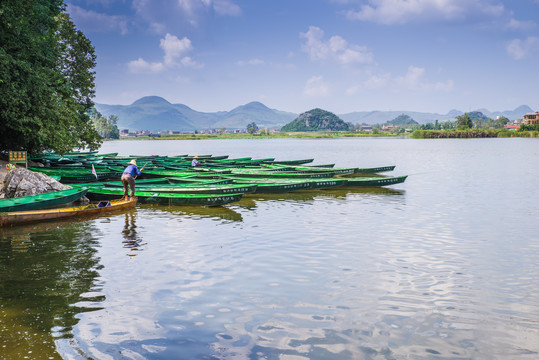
column 443, row 266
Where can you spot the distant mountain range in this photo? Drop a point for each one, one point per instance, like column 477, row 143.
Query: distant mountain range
column 156, row 114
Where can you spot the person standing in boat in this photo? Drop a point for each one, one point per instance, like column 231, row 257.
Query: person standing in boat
column 195, row 162
column 128, row 178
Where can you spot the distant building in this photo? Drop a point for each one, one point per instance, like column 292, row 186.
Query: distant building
column 365, row 128
column 531, row 118
column 390, row 127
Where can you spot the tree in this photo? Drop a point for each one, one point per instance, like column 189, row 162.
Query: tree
column 500, row 122
column 46, row 79
column 464, row 121
column 447, row 125
column 252, row 128
column 106, row 128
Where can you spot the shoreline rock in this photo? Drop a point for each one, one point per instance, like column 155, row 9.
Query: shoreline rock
column 23, row 182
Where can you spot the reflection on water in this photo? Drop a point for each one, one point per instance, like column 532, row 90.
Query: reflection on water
column 132, row 240
column 218, row 213
column 306, row 197
column 443, row 266
column 45, row 271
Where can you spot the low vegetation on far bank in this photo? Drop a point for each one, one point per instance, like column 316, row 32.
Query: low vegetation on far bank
column 471, row 133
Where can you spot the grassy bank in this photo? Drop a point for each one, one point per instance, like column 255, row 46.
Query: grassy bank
column 471, row 133
column 300, row 135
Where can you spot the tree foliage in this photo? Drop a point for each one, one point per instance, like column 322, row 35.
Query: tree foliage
column 46, row 79
column 252, row 128
column 464, row 121
column 107, row 128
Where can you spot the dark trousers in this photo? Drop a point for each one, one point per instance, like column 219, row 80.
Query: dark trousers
column 128, row 181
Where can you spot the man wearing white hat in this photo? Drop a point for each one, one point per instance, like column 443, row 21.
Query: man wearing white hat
column 128, row 178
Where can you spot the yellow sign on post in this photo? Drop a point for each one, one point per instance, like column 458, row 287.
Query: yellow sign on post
column 18, row 157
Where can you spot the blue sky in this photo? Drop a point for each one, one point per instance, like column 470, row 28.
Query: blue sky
column 296, row 55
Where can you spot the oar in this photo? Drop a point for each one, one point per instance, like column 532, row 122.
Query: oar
column 142, row 168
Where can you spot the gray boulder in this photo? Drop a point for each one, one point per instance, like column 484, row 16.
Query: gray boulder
column 23, row 182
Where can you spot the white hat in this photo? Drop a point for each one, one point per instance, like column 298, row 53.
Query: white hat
column 133, row 162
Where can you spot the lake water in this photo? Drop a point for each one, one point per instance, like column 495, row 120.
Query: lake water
column 444, row 266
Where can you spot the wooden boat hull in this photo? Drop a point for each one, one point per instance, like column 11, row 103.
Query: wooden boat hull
column 200, row 189
column 293, row 162
column 167, row 198
column 374, row 169
column 378, row 181
column 326, row 183
column 276, row 187
column 42, row 201
column 281, row 175
column 23, row 217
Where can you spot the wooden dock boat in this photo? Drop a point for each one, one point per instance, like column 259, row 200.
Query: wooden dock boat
column 326, row 183
column 103, row 207
column 293, row 162
column 42, row 201
column 167, row 198
column 197, row 189
column 282, row 175
column 375, row 169
column 375, row 181
column 265, row 186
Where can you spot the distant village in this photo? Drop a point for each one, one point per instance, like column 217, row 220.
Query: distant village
column 127, row 133
column 528, row 119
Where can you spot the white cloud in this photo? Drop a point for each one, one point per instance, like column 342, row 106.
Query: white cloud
column 316, row 86
column 404, row 11
column 252, row 62
column 176, row 15
column 142, row 66
column 519, row 49
column 225, row 7
column 377, row 81
column 93, row 21
column 174, row 50
column 336, row 48
column 187, row 61
column 415, row 80
column 514, row 24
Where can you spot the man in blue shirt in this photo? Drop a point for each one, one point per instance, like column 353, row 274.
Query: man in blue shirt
column 195, row 162
column 128, row 178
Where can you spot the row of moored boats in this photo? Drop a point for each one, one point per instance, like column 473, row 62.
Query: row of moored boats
column 171, row 180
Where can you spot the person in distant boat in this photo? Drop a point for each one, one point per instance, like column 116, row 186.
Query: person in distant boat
column 128, row 178
column 195, row 162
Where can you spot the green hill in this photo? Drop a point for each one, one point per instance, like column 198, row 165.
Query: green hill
column 256, row 112
column 317, row 120
column 155, row 113
column 403, row 120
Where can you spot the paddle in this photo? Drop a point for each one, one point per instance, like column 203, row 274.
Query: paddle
column 142, row 169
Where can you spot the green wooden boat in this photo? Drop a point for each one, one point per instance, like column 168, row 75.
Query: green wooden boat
column 326, row 183
column 375, row 181
column 199, row 189
column 293, row 162
column 375, row 169
column 104, row 207
column 42, row 201
column 273, row 187
column 276, row 174
column 167, row 198
column 197, row 180
column 307, row 169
